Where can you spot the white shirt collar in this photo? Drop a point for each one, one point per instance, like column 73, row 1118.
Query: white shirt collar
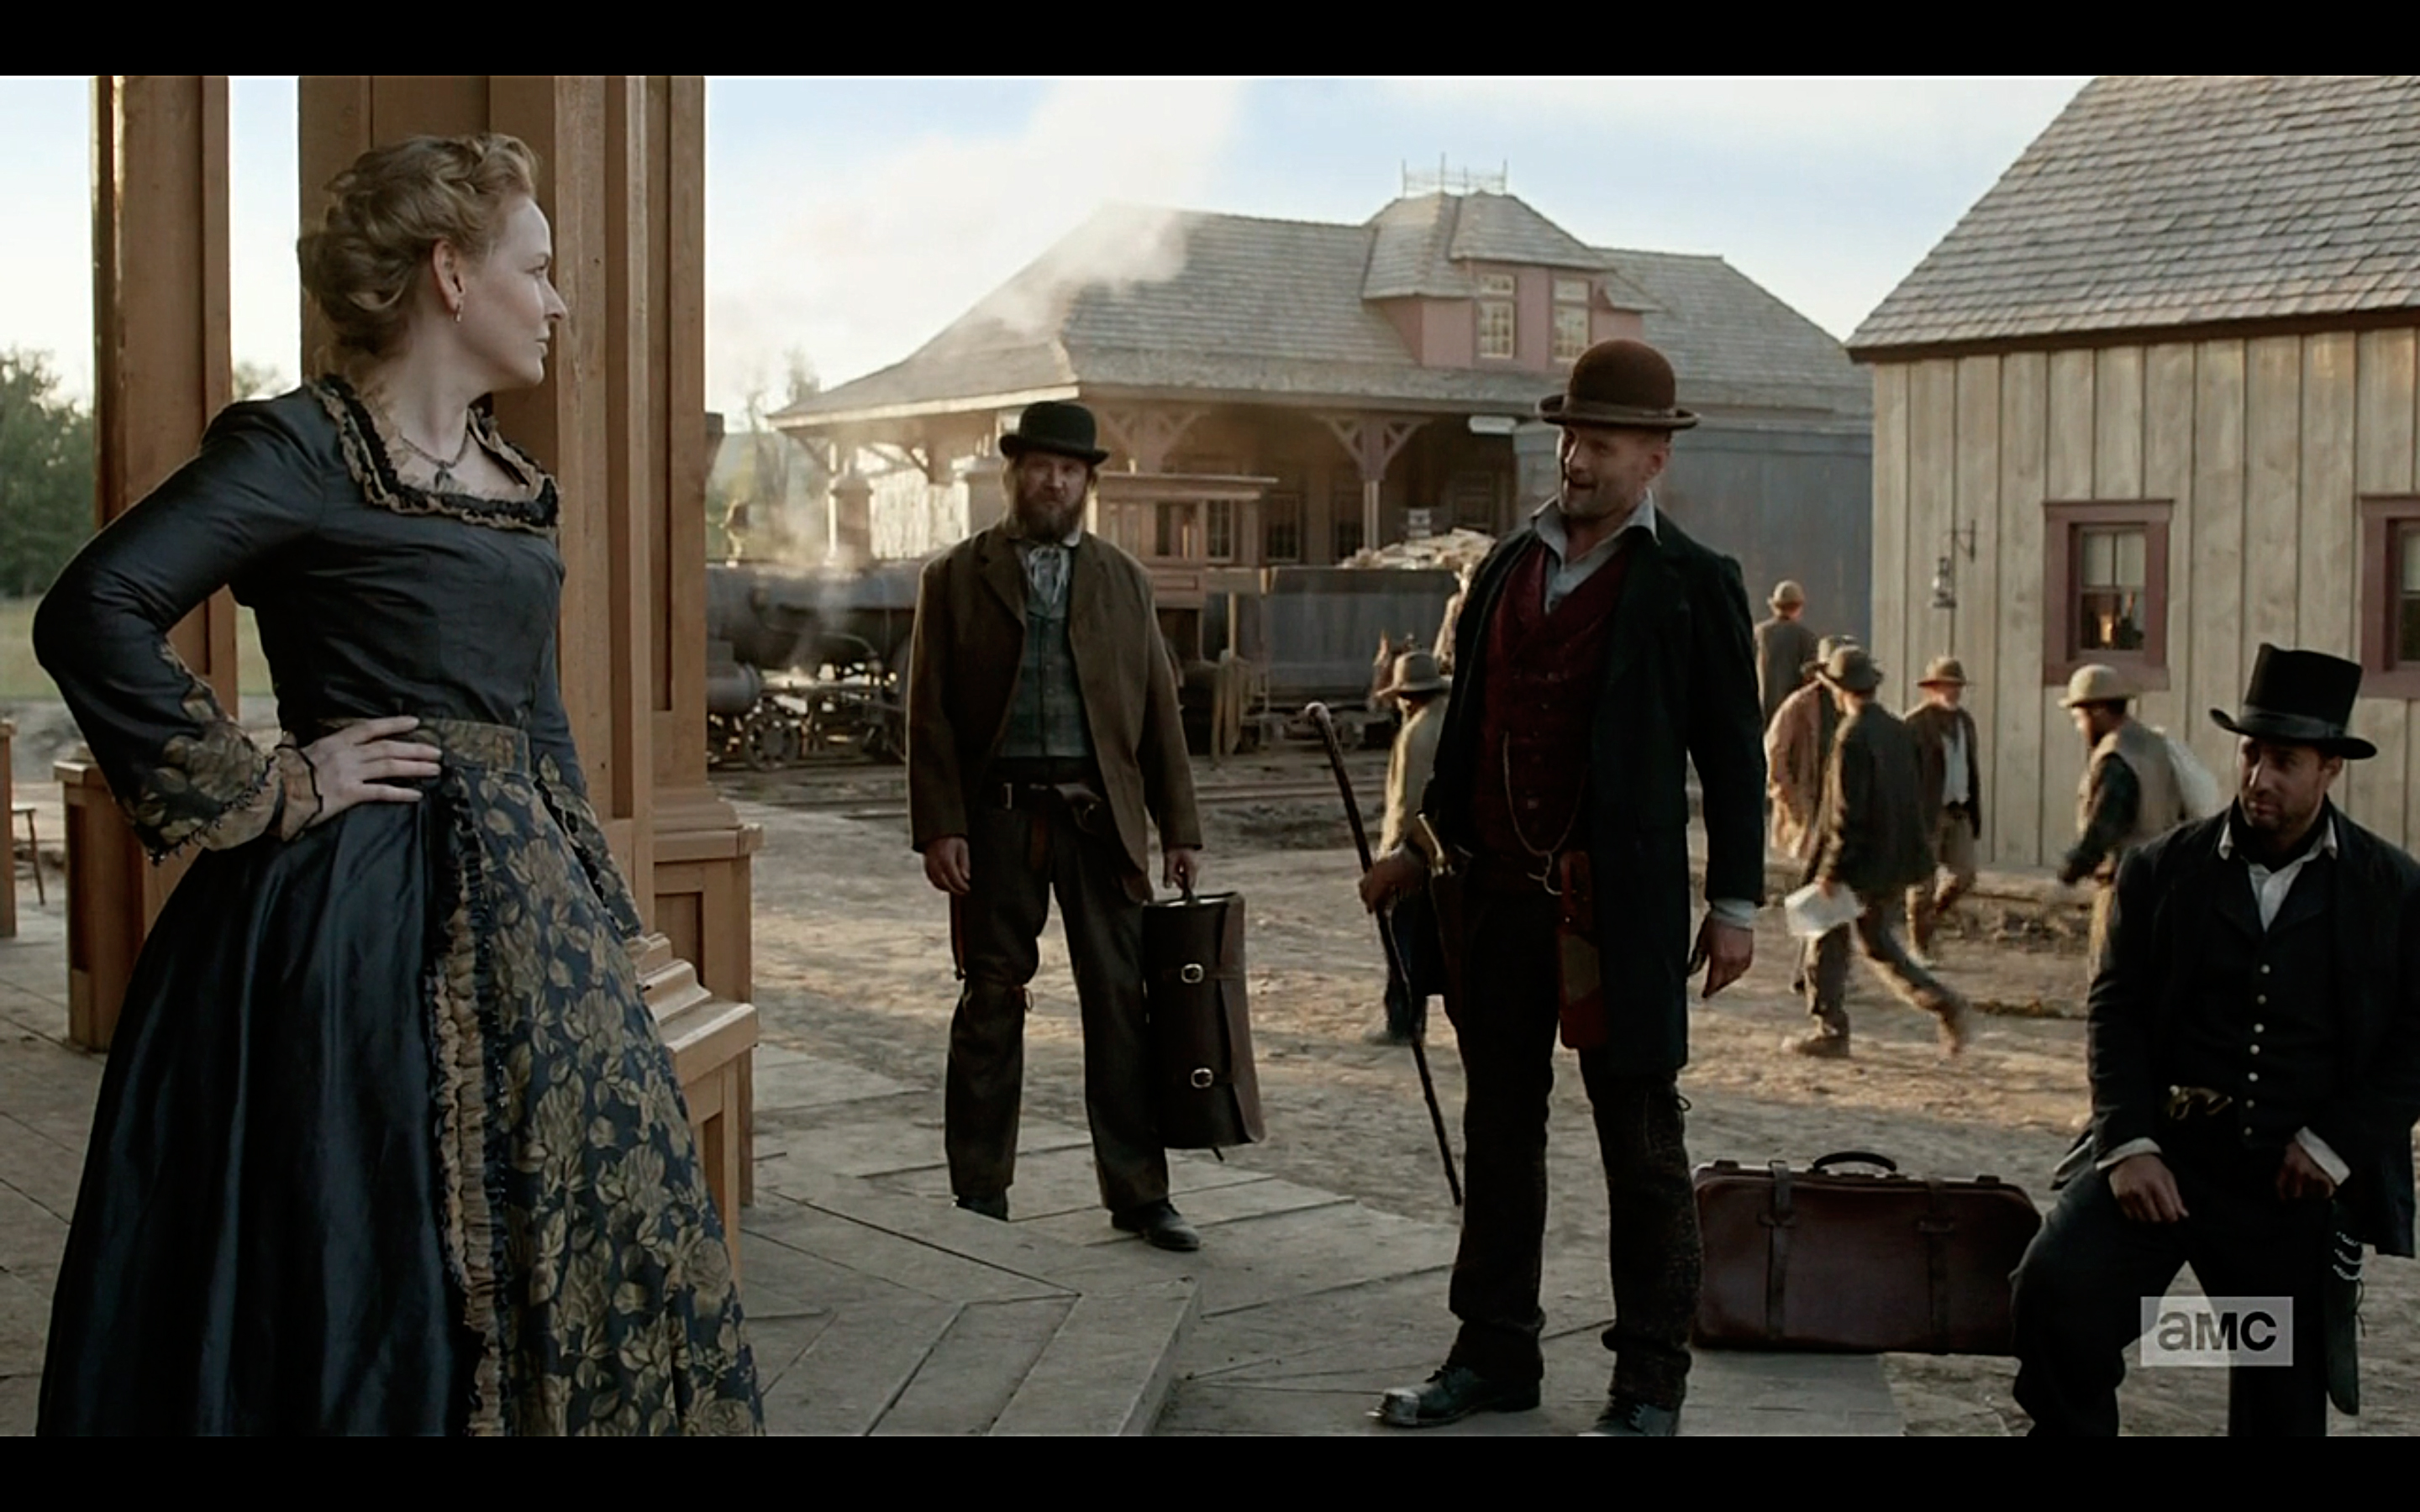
column 1547, row 520
column 2327, row 846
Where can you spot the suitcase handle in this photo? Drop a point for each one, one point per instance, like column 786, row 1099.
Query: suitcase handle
column 1854, row 1157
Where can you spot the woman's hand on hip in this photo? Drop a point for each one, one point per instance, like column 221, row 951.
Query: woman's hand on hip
column 357, row 764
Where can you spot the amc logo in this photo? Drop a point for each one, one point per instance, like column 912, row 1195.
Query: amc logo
column 2215, row 1332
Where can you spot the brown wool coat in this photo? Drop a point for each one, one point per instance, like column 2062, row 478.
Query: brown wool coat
column 969, row 641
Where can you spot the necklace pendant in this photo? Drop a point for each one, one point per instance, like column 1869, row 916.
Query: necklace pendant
column 442, row 482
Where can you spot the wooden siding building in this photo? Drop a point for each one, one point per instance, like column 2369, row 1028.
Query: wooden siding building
column 1278, row 393
column 2152, row 403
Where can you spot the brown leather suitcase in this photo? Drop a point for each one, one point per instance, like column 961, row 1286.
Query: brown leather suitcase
column 1204, row 1090
column 1855, row 1261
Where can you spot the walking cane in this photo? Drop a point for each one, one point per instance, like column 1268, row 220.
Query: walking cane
column 1318, row 715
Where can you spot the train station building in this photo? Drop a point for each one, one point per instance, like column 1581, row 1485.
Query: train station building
column 1283, row 392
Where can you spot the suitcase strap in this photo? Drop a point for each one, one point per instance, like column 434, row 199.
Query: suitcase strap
column 1779, row 1219
column 1936, row 1227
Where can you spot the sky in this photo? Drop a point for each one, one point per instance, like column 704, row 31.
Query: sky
column 848, row 220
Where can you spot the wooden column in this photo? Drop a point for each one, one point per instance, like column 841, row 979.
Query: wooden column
column 703, row 885
column 620, row 421
column 160, row 370
column 1373, row 442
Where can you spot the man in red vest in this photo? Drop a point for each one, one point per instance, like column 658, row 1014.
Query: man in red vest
column 1601, row 654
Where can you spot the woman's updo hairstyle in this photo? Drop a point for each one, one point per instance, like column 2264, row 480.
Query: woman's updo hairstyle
column 388, row 209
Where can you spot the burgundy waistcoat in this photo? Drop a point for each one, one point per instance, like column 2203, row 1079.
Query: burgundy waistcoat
column 1542, row 672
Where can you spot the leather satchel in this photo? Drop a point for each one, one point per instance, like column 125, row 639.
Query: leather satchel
column 1204, row 1090
column 1826, row 1259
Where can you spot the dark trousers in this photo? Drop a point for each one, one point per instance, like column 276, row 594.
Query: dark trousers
column 1506, row 1024
column 2079, row 1293
column 1414, row 921
column 1827, row 980
column 1020, row 856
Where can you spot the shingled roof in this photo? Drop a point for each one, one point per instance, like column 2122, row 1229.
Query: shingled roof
column 2170, row 202
column 1242, row 307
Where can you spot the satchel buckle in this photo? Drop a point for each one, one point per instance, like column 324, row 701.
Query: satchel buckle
column 1191, row 975
column 1201, row 1078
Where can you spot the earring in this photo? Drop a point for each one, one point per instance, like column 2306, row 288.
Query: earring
column 458, row 311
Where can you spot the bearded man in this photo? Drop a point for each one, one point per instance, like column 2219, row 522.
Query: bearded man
column 1043, row 727
column 1600, row 654
column 2255, row 1057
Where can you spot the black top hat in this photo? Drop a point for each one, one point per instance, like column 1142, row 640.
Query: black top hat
column 1618, row 382
column 2301, row 697
column 1054, row 427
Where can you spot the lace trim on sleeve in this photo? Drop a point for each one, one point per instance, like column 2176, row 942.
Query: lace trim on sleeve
column 201, row 780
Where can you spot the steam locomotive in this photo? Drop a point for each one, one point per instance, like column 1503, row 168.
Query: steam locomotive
column 809, row 662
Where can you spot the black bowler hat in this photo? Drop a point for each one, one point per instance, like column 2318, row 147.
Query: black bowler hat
column 2301, row 697
column 1065, row 429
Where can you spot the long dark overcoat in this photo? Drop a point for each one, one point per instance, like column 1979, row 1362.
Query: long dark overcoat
column 2167, row 902
column 1679, row 686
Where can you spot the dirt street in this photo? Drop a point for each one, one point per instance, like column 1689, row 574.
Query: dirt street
column 853, row 960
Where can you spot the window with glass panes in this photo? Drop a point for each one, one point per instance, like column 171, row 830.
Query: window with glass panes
column 1496, row 330
column 1218, row 526
column 2110, row 582
column 1282, row 527
column 2407, row 601
column 1571, row 319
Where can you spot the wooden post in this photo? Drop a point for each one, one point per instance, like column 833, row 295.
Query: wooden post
column 160, row 371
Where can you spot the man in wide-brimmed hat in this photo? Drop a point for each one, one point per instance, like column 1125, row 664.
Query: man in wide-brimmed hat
column 2129, row 793
column 1797, row 747
column 1043, row 733
column 1784, row 647
column 2256, row 1076
column 1871, row 843
column 1420, row 690
column 1600, row 654
column 1949, row 771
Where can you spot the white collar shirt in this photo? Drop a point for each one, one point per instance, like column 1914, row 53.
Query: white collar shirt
column 2270, row 889
column 1570, row 571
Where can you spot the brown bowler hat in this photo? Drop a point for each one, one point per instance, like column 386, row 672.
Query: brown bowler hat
column 1618, row 382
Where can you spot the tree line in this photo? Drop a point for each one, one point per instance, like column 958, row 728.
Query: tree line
column 46, row 467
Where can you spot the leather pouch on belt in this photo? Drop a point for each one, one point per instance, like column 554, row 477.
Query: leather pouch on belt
column 1582, row 1001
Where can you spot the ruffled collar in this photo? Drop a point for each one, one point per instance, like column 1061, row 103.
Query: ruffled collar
column 373, row 468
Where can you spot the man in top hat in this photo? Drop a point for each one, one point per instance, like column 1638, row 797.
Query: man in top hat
column 1042, row 729
column 1872, row 844
column 2255, row 1053
column 1600, row 653
column 2129, row 793
column 1784, row 647
column 1420, row 690
column 1950, row 775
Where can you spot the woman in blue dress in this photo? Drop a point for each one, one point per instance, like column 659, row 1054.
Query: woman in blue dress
column 387, row 1141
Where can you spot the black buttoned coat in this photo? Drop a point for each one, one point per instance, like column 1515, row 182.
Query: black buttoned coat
column 1678, row 687
column 2171, row 894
